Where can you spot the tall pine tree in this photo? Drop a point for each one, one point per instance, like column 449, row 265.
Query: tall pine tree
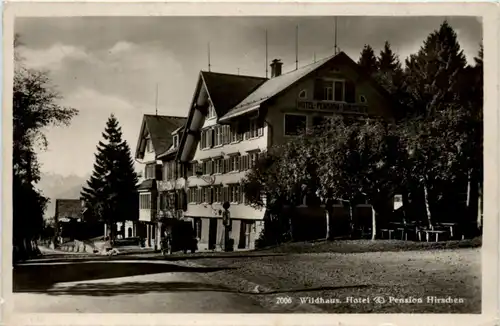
column 432, row 75
column 368, row 61
column 390, row 72
column 438, row 138
column 111, row 192
column 390, row 77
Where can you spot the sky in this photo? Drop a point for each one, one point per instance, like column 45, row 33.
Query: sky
column 105, row 65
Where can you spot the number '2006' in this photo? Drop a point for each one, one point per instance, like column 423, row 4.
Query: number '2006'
column 283, row 300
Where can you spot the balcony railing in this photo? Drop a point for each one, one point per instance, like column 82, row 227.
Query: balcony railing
column 331, row 106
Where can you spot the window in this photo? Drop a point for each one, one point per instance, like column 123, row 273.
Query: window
column 217, row 194
column 192, row 194
column 234, row 135
column 332, row 90
column 295, row 124
column 253, row 159
column 211, row 111
column 234, row 163
column 303, row 94
column 218, row 166
column 234, row 193
column 149, row 145
column 164, row 171
column 175, row 141
column 145, row 201
column 328, row 93
column 207, row 138
column 150, row 171
column 194, row 167
column 255, row 129
column 218, row 139
column 204, row 194
column 362, row 99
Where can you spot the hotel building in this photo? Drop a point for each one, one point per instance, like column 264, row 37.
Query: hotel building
column 233, row 119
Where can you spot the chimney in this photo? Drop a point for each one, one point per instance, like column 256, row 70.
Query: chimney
column 276, row 68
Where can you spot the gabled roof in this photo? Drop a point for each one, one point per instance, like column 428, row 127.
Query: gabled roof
column 159, row 128
column 69, row 208
column 277, row 85
column 226, row 90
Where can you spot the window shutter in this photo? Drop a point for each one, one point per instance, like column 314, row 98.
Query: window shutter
column 209, row 138
column 350, row 92
column 229, row 135
column 318, row 89
column 260, row 131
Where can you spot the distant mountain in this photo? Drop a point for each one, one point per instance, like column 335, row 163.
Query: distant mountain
column 55, row 186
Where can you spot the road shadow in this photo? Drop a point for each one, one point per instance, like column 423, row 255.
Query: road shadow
column 104, row 289
column 151, row 257
column 40, row 277
column 320, row 288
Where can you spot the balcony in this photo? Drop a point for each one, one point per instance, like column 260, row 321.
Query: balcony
column 333, row 107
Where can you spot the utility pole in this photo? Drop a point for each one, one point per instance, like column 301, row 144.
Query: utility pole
column 297, row 47
column 156, row 101
column 266, row 56
column 335, row 46
column 209, row 65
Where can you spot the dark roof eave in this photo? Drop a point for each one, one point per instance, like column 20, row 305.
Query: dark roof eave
column 233, row 115
column 168, row 153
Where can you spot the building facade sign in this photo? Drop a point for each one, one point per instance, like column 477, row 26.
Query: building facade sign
column 335, row 107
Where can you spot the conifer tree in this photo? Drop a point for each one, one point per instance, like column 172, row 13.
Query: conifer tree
column 390, row 72
column 367, row 60
column 432, row 75
column 438, row 137
column 111, row 192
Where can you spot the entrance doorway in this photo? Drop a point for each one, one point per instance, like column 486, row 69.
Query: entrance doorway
column 212, row 234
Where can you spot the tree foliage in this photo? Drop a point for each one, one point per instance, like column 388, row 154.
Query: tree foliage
column 111, row 192
column 35, row 107
column 368, row 61
column 432, row 152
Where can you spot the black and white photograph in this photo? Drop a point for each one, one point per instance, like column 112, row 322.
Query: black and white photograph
column 327, row 164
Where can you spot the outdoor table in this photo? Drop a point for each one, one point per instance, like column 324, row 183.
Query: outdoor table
column 404, row 234
column 450, row 226
column 436, row 232
column 389, row 231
